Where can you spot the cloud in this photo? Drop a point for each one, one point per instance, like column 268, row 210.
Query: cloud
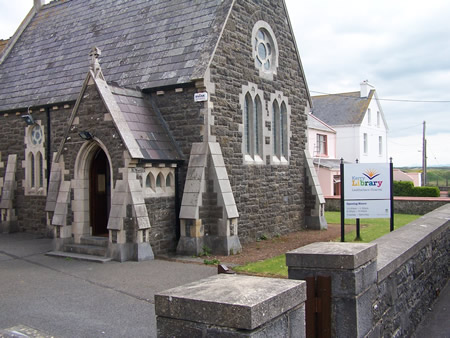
column 401, row 48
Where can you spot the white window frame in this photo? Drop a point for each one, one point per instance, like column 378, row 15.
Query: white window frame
column 322, row 139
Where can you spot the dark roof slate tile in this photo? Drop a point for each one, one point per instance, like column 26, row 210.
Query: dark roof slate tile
column 341, row 109
column 146, row 43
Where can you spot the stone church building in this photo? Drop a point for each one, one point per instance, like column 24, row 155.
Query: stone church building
column 146, row 127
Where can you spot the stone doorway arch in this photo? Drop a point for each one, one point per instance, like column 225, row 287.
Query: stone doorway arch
column 92, row 190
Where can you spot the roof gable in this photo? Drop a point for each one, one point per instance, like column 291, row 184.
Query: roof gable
column 145, row 43
column 341, row 109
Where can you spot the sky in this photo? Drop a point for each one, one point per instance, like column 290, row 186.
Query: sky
column 401, row 47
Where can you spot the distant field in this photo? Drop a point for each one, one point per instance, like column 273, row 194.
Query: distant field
column 436, row 176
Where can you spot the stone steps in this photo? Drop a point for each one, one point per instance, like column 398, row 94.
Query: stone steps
column 83, row 257
column 91, row 248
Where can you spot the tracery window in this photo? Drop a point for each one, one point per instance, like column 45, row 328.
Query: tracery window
column 280, row 129
column 265, row 49
column 253, row 126
column 35, row 181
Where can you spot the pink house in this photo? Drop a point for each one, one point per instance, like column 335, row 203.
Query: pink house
column 322, row 147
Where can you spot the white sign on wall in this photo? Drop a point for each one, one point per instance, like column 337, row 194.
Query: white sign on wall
column 200, row 97
column 367, row 190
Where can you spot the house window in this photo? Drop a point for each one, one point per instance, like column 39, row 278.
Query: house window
column 366, row 143
column 253, row 124
column 380, row 145
column 158, row 182
column 369, row 117
column 35, row 182
column 321, row 144
column 378, row 119
column 265, row 49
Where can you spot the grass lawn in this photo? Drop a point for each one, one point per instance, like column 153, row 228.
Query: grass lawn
column 371, row 229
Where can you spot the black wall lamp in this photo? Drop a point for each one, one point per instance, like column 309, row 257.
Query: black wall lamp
column 28, row 119
column 85, row 135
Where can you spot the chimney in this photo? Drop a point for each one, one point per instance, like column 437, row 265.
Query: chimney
column 365, row 88
column 38, row 4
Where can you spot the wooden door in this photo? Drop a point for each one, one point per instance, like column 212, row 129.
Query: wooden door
column 99, row 193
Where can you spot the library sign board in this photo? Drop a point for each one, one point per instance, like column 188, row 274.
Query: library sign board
column 367, row 190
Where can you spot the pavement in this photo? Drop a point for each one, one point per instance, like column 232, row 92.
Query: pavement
column 42, row 296
column 56, row 297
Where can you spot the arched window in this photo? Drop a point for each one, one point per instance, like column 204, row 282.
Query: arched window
column 280, row 129
column 248, row 109
column 159, row 180
column 257, row 116
column 169, row 180
column 253, row 124
column 284, row 131
column 40, row 170
column 150, row 181
column 32, row 171
column 276, row 128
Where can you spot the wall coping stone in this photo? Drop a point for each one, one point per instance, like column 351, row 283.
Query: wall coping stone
column 237, row 301
column 396, row 247
column 331, row 255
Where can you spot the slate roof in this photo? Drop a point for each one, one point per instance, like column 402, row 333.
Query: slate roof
column 146, row 125
column 330, row 163
column 341, row 109
column 145, row 43
column 315, row 123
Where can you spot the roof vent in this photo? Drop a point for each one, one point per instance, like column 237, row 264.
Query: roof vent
column 38, row 4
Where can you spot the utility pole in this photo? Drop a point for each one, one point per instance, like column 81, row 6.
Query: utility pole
column 424, row 156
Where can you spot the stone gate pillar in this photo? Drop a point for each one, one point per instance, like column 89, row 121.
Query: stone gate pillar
column 353, row 271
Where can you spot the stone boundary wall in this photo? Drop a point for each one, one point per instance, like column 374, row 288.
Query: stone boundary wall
column 412, row 268
column 382, row 288
column 402, row 205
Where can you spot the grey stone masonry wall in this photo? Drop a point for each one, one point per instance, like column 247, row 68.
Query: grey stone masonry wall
column 163, row 224
column 270, row 197
column 382, row 288
column 30, row 208
column 402, row 205
column 232, row 306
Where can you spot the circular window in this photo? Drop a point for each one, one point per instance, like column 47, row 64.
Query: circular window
column 264, row 49
column 37, row 135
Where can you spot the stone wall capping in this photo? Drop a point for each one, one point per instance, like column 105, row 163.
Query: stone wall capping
column 395, row 248
column 160, row 92
column 332, row 255
column 235, row 301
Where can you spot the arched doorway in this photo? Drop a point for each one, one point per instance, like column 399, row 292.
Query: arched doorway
column 99, row 193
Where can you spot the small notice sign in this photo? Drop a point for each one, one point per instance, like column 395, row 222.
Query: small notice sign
column 201, row 97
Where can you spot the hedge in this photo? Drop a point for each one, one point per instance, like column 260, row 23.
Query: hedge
column 405, row 188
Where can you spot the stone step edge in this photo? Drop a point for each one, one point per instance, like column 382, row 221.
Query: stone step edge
column 83, row 257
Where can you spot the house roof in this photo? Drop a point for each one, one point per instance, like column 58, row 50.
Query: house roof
column 341, row 109
column 144, row 43
column 315, row 123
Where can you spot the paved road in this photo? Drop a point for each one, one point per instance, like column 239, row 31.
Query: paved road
column 70, row 298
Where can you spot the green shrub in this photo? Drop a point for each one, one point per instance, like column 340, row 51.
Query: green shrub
column 426, row 192
column 403, row 188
